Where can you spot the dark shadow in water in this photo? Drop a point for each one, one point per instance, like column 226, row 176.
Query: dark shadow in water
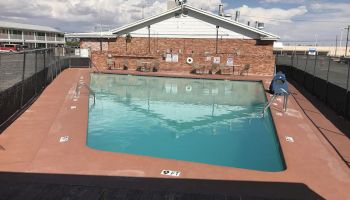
column 54, row 186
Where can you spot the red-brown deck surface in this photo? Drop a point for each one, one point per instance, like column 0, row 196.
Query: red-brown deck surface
column 32, row 144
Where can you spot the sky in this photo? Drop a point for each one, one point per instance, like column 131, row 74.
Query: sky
column 295, row 21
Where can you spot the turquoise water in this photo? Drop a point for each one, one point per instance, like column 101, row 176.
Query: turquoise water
column 206, row 121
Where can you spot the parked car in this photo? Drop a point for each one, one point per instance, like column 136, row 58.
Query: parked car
column 9, row 48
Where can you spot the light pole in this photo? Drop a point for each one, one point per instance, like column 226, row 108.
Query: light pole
column 336, row 45
column 347, row 41
column 316, row 38
column 341, row 37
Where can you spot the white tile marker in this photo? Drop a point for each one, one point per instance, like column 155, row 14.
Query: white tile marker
column 289, row 139
column 170, row 173
column 64, row 139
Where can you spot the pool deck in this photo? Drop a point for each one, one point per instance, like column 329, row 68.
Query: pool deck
column 31, row 144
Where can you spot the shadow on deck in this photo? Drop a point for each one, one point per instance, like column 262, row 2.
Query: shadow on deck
column 54, row 186
column 333, row 127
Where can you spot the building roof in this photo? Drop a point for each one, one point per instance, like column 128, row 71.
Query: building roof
column 105, row 34
column 20, row 26
column 190, row 11
column 197, row 13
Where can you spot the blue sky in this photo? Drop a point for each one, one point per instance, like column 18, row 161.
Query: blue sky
column 295, row 21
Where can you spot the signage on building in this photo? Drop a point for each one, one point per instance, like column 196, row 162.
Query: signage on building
column 175, row 58
column 84, row 53
column 229, row 62
column 168, row 57
column 216, row 60
column 77, row 52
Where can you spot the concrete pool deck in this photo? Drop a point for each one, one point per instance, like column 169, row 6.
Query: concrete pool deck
column 31, row 144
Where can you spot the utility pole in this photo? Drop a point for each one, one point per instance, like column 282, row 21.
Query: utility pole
column 341, row 38
column 100, row 33
column 347, row 41
column 336, row 46
column 316, row 38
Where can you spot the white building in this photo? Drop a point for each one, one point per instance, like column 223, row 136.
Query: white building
column 33, row 36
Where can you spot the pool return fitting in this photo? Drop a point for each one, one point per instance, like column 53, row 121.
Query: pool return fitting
column 83, row 84
column 278, row 87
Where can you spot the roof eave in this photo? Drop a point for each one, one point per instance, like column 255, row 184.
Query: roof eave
column 263, row 35
column 82, row 35
column 115, row 31
column 269, row 38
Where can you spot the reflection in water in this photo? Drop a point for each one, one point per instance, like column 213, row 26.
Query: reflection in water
column 207, row 121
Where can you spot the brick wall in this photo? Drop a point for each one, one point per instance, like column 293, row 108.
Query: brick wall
column 256, row 53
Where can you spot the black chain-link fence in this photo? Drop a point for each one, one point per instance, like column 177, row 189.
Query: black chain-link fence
column 322, row 76
column 24, row 75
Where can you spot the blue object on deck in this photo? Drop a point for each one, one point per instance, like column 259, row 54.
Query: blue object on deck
column 279, row 84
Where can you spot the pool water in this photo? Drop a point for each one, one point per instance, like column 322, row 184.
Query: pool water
column 215, row 122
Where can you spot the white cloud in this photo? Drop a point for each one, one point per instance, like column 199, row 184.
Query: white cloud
column 272, row 16
column 109, row 12
column 84, row 15
column 112, row 12
column 211, row 5
column 283, row 1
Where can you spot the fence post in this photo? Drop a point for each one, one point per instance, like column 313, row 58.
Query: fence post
column 70, row 58
column 346, row 92
column 56, row 63
column 291, row 65
column 47, row 71
column 36, row 71
column 329, row 65
column 297, row 66
column 313, row 74
column 23, row 72
column 307, row 60
column 59, row 59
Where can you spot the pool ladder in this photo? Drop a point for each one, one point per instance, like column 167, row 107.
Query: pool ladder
column 83, row 84
column 283, row 93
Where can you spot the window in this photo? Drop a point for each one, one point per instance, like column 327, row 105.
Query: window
column 16, row 32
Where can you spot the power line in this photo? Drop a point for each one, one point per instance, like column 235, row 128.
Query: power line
column 307, row 40
column 299, row 20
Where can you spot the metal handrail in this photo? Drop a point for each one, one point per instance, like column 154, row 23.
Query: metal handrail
column 283, row 93
column 77, row 89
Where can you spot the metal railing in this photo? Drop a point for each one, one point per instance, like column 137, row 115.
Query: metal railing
column 28, row 37
column 82, row 84
column 285, row 95
column 42, row 38
column 16, row 36
column 4, row 36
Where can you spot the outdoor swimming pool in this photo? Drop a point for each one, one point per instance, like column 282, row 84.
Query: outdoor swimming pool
column 215, row 122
